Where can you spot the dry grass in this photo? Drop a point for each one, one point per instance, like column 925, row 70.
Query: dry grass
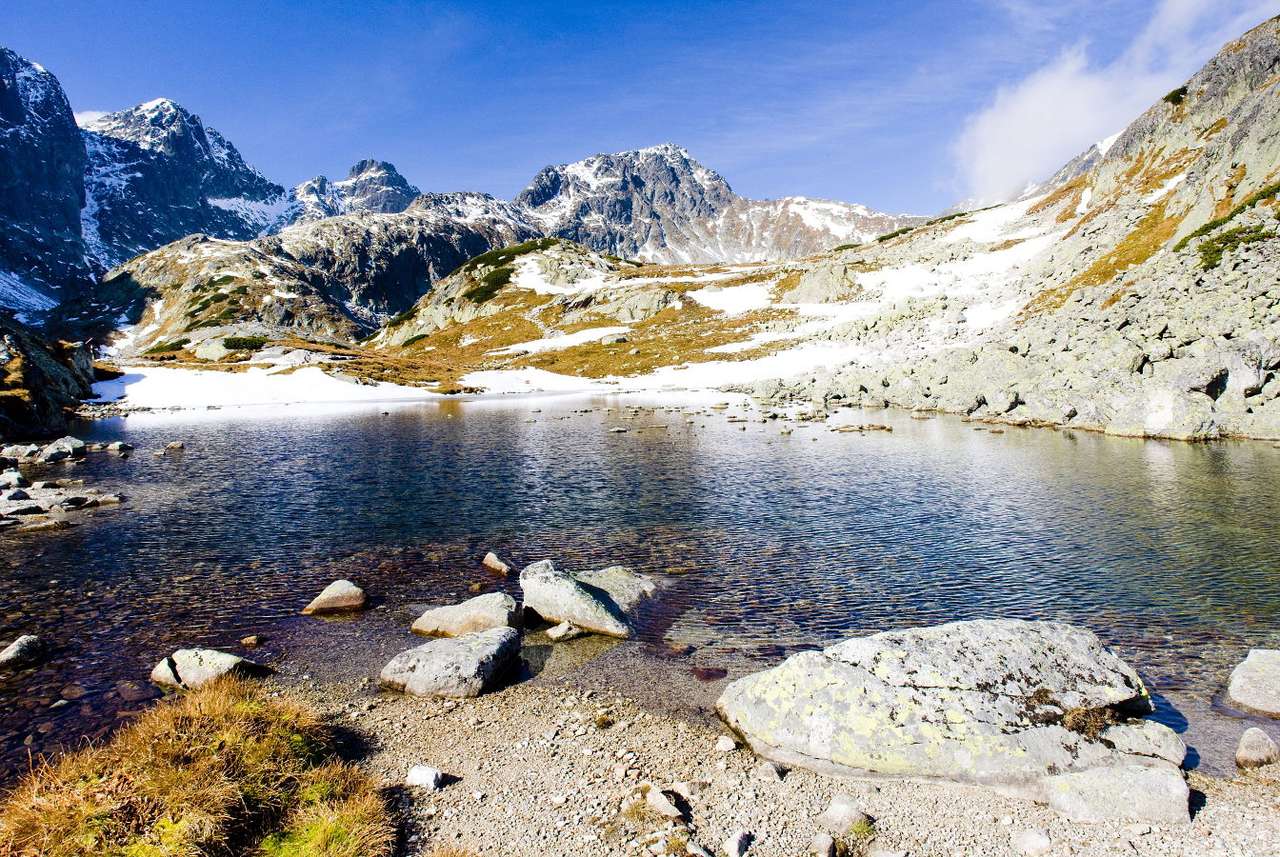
column 1090, row 722
column 1069, row 193
column 1152, row 232
column 206, row 774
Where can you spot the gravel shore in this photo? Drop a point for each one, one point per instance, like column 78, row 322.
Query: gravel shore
column 545, row 766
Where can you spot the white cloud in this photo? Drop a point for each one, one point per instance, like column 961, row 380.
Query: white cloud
column 84, row 117
column 1034, row 126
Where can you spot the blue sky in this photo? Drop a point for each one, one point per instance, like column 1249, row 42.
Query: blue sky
column 905, row 106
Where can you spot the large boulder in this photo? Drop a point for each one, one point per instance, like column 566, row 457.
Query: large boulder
column 558, row 596
column 491, row 610
column 458, row 667
column 192, row 668
column 1255, row 683
column 624, row 586
column 62, row 449
column 338, row 597
column 1005, row 703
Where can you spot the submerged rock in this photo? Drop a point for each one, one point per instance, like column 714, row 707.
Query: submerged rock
column 558, row 596
column 625, row 587
column 339, row 596
column 494, row 564
column 26, row 651
column 1024, row 706
column 1255, row 683
column 457, row 667
column 192, row 668
column 491, row 610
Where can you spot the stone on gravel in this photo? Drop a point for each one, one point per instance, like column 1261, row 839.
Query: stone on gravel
column 737, row 843
column 841, row 815
column 659, row 802
column 1255, row 683
column 983, row 701
column 494, row 564
column 559, row 597
column 822, row 846
column 491, row 610
column 425, row 777
column 1031, row 842
column 770, row 771
column 339, row 596
column 725, row 744
column 1256, row 748
column 1155, row 793
column 456, row 667
column 192, row 668
column 28, row 650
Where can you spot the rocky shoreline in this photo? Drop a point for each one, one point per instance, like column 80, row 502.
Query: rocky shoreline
column 496, row 739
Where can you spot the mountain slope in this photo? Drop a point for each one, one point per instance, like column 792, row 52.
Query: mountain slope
column 157, row 173
column 42, row 161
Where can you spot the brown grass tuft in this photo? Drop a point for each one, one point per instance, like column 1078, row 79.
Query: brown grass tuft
column 207, row 773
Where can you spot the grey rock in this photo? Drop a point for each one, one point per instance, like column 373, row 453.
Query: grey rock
column 841, row 815
column 192, row 668
column 558, row 597
column 456, row 667
column 1155, row 793
column 564, row 631
column 491, row 610
column 494, row 564
column 339, row 596
column 737, row 843
column 425, row 777
column 28, row 650
column 1256, row 748
column 823, row 845
column 13, row 479
column 1255, row 683
column 1031, row 842
column 982, row 701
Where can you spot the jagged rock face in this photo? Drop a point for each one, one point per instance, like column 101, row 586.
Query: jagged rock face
column 42, row 163
column 659, row 204
column 156, row 173
column 39, row 380
column 370, row 186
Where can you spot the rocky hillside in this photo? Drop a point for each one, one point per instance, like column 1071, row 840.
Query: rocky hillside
column 660, row 205
column 332, row 280
column 39, row 381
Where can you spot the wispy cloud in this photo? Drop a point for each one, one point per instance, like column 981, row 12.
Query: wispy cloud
column 1031, row 127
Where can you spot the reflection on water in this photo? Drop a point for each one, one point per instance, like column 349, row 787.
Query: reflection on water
column 769, row 542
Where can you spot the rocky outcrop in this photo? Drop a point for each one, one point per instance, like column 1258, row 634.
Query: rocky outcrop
column 1037, row 708
column 457, row 667
column 192, row 668
column 491, row 610
column 40, row 381
column 558, row 596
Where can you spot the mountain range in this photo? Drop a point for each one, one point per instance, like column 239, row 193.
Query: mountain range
column 81, row 200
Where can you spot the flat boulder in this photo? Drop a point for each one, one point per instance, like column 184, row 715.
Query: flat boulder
column 1255, row 683
column 491, row 610
column 192, row 668
column 338, row 597
column 1004, row 703
column 456, row 667
column 558, row 596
